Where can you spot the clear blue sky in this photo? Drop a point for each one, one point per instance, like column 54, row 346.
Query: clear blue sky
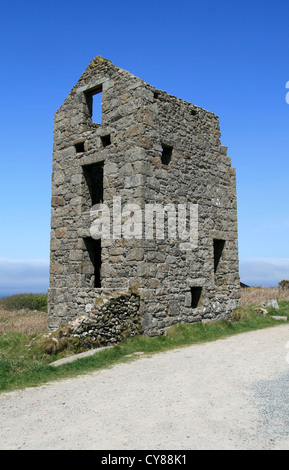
column 231, row 58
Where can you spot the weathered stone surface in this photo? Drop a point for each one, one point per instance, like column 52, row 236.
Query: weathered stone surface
column 57, row 201
column 140, row 121
column 261, row 311
column 273, row 304
column 61, row 232
column 108, row 322
column 75, row 357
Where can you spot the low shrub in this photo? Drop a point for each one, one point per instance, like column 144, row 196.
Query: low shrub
column 284, row 284
column 25, row 301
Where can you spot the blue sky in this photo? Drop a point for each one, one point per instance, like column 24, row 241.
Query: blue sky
column 231, row 58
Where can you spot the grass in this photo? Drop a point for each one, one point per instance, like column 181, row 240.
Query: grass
column 25, row 321
column 259, row 295
column 24, row 363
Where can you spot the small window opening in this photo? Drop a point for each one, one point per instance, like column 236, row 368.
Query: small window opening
column 92, row 262
column 105, row 140
column 166, row 154
column 93, row 190
column 193, row 112
column 196, row 297
column 218, row 251
column 94, row 103
column 79, row 147
column 156, row 95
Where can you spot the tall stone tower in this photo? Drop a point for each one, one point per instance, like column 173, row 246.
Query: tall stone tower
column 152, row 150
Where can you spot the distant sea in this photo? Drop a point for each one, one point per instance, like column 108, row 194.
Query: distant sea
column 9, row 294
column 6, row 295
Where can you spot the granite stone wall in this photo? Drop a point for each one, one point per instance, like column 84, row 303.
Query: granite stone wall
column 150, row 148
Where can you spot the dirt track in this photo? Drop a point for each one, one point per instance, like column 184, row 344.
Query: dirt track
column 228, row 394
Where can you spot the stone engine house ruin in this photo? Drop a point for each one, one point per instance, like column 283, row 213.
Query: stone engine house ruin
column 116, row 136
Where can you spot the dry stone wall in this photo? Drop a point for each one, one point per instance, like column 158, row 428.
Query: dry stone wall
column 115, row 319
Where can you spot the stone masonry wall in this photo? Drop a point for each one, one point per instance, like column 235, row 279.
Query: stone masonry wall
column 108, row 323
column 199, row 172
column 140, row 122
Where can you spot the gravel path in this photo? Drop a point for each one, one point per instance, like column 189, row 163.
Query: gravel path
column 228, row 394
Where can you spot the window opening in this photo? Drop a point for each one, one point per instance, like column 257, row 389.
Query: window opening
column 94, row 103
column 218, row 251
column 196, row 297
column 92, row 262
column 79, row 147
column 93, row 190
column 166, row 154
column 105, row 140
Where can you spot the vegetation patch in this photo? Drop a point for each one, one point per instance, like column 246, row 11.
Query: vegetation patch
column 25, row 356
column 261, row 295
column 25, row 301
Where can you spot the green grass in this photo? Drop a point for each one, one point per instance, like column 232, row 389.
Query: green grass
column 283, row 309
column 23, row 362
column 25, row 301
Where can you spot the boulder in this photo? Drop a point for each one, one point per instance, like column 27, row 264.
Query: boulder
column 261, row 311
column 273, row 304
